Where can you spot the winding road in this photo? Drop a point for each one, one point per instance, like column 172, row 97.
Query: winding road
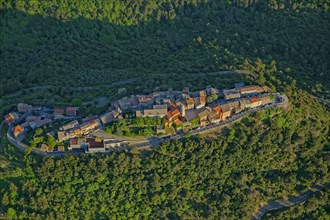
column 154, row 141
column 293, row 200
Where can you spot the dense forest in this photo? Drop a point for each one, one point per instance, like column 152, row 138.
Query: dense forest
column 62, row 43
column 267, row 155
column 195, row 179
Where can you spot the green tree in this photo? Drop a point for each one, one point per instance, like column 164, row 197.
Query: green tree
column 76, row 102
column 5, row 199
column 11, row 213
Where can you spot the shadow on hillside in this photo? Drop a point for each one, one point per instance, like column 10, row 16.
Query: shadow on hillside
column 39, row 50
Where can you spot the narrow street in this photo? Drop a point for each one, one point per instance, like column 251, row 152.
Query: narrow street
column 144, row 143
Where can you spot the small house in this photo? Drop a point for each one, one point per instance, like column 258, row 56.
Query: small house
column 60, row 148
column 18, row 130
column 231, row 94
column 95, row 145
column 190, row 103
column 21, row 107
column 203, row 117
column 76, row 143
column 71, row 111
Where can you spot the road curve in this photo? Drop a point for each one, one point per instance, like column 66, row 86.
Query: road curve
column 21, row 146
column 293, row 200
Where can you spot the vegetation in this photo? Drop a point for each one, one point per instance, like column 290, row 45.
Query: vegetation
column 134, row 127
column 203, row 37
column 64, row 50
column 212, row 98
column 197, row 178
column 316, row 207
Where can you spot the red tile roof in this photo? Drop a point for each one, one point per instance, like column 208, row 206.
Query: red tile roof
column 17, row 130
column 203, row 99
column 251, row 88
column 217, row 109
column 9, row 119
column 59, row 111
column 73, row 141
column 175, row 112
column 71, row 111
column 177, row 122
column 254, row 99
column 190, row 101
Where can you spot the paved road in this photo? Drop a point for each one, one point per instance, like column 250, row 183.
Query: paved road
column 154, row 141
column 212, row 127
column 21, row 146
column 293, row 200
column 122, row 82
column 44, row 87
column 227, row 72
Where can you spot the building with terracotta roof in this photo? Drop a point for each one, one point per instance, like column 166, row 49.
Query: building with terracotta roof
column 218, row 111
column 173, row 114
column 77, row 143
column 213, row 117
column 90, row 126
column 173, row 117
column 177, row 121
column 202, row 97
column 58, row 111
column 255, row 102
column 265, row 99
column 18, row 130
column 203, row 116
column 60, row 148
column 71, row 111
column 11, row 117
column 252, row 89
column 228, row 108
column 190, row 103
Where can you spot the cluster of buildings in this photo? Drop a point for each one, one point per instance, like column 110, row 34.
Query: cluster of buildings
column 45, row 148
column 29, row 117
column 75, row 129
column 94, row 144
column 176, row 108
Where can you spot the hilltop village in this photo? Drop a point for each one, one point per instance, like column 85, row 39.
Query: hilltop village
column 180, row 110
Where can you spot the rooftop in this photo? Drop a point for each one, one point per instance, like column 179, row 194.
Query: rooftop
column 95, row 143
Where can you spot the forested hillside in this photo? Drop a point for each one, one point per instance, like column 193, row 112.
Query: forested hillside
column 84, row 43
column 265, row 156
